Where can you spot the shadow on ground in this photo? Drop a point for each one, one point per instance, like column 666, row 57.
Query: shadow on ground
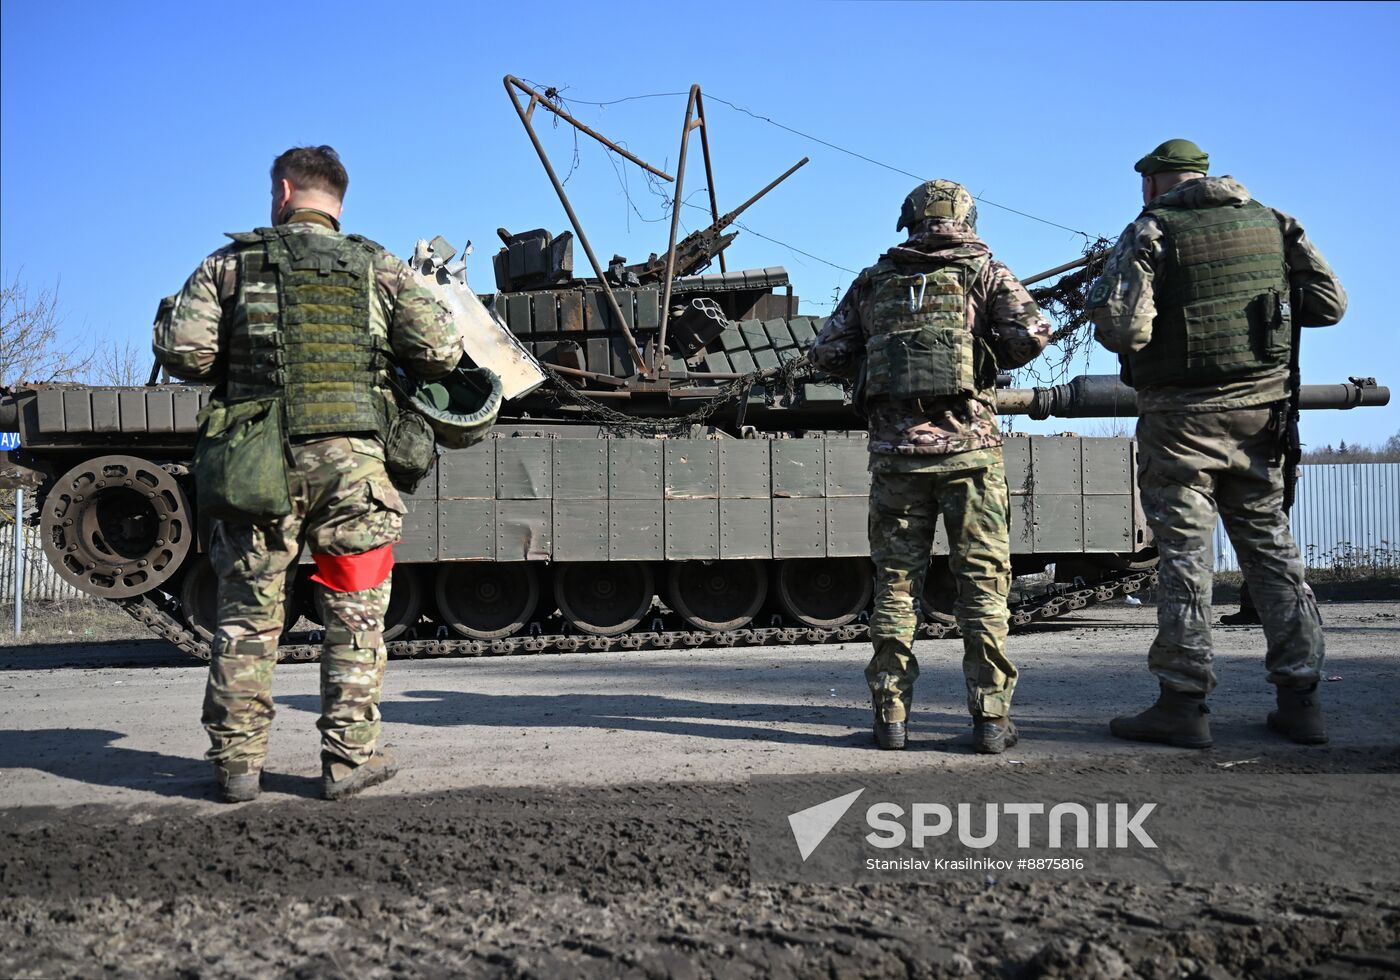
column 90, row 654
column 930, row 730
column 89, row 755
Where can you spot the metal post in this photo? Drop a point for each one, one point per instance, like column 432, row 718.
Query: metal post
column 690, row 123
column 536, row 99
column 19, row 562
column 709, row 170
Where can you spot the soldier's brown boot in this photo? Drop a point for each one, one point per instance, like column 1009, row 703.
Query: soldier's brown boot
column 1299, row 716
column 238, row 783
column 993, row 736
column 339, row 779
column 1177, row 718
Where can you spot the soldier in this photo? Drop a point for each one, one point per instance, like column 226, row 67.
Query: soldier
column 1197, row 300
column 923, row 333
column 295, row 326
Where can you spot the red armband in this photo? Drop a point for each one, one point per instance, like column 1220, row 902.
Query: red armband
column 354, row 573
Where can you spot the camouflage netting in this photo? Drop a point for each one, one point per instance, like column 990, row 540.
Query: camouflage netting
column 775, row 384
column 1064, row 303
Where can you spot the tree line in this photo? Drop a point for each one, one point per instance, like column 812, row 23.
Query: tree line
column 1344, row 452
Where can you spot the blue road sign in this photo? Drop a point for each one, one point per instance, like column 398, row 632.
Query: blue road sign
column 8, row 441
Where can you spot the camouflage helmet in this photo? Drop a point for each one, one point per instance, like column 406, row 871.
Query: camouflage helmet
column 462, row 407
column 938, row 199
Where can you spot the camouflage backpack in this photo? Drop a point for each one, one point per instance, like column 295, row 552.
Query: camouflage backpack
column 919, row 345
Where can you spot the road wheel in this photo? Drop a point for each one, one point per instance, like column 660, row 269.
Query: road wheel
column 116, row 526
column 604, row 598
column 824, row 592
column 487, row 600
column 717, row 596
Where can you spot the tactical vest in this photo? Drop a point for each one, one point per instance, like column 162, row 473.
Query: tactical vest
column 919, row 345
column 1221, row 295
column 301, row 332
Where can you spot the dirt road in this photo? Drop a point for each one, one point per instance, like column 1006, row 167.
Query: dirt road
column 585, row 814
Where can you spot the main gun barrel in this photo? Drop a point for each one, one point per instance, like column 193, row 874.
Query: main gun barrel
column 1104, row 396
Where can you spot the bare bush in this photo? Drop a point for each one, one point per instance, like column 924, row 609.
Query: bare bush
column 30, row 348
column 121, row 364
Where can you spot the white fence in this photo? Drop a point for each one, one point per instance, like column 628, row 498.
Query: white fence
column 41, row 582
column 1345, row 513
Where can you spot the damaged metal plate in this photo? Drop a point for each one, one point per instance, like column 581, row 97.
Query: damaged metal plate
column 484, row 337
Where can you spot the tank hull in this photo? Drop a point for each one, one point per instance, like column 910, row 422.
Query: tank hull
column 566, row 528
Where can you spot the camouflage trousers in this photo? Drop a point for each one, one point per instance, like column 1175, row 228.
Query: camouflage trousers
column 1192, row 465
column 342, row 504
column 904, row 509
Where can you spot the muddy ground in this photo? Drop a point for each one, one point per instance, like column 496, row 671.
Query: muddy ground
column 583, row 845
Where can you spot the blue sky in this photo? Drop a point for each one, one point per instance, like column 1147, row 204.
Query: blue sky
column 133, row 135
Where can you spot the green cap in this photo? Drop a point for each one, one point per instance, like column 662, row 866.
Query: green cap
column 1174, row 156
column 462, row 407
column 938, row 199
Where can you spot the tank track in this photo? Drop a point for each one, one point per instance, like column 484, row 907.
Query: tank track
column 161, row 616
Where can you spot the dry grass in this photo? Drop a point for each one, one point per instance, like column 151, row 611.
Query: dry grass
column 69, row 622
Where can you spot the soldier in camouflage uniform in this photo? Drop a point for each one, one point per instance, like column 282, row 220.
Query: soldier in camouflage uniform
column 922, row 333
column 1197, row 300
column 307, row 320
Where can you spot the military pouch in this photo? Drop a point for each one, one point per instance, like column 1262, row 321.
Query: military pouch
column 410, row 450
column 929, row 362
column 1271, row 323
column 240, row 462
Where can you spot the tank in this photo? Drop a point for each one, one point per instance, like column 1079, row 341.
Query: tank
column 668, row 472
column 568, row 533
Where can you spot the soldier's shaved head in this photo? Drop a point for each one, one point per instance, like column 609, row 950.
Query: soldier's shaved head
column 312, row 168
column 308, row 177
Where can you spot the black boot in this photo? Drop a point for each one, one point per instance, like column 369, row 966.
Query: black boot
column 993, row 736
column 1247, row 616
column 889, row 734
column 238, row 787
column 1177, row 718
column 1299, row 715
